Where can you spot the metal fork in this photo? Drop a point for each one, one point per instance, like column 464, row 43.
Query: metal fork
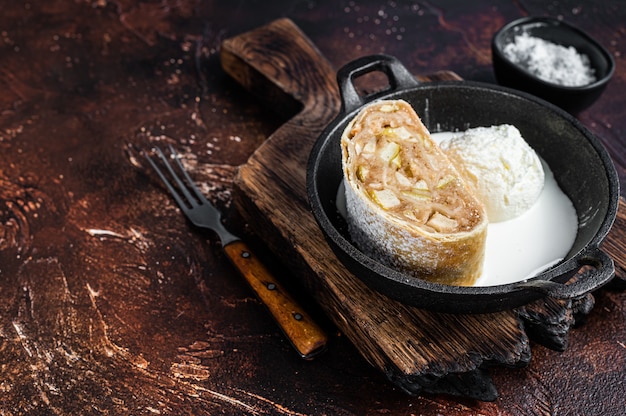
column 304, row 334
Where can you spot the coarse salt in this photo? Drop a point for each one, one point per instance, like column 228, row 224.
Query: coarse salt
column 551, row 62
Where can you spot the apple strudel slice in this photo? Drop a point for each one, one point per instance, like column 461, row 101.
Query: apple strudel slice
column 406, row 204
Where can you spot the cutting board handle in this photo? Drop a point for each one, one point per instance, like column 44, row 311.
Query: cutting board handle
column 279, row 64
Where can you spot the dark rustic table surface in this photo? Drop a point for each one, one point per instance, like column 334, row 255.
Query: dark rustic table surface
column 110, row 303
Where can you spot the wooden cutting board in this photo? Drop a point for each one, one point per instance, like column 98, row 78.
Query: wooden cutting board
column 417, row 350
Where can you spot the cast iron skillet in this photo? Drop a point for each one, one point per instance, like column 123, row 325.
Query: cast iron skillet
column 581, row 166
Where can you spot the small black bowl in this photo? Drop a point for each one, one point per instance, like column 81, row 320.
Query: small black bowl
column 572, row 99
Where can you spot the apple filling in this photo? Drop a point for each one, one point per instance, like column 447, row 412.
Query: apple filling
column 400, row 168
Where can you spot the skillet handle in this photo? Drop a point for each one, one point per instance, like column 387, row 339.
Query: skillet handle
column 596, row 258
column 398, row 76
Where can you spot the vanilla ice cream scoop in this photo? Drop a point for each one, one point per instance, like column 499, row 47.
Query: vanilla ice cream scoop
column 503, row 171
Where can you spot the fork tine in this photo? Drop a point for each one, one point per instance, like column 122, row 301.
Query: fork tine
column 190, row 182
column 173, row 191
column 182, row 186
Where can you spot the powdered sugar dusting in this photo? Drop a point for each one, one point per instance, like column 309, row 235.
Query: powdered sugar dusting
column 549, row 61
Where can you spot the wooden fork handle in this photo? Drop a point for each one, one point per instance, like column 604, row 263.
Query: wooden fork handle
column 303, row 333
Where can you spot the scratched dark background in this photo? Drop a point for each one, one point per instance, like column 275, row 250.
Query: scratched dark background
column 109, row 304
